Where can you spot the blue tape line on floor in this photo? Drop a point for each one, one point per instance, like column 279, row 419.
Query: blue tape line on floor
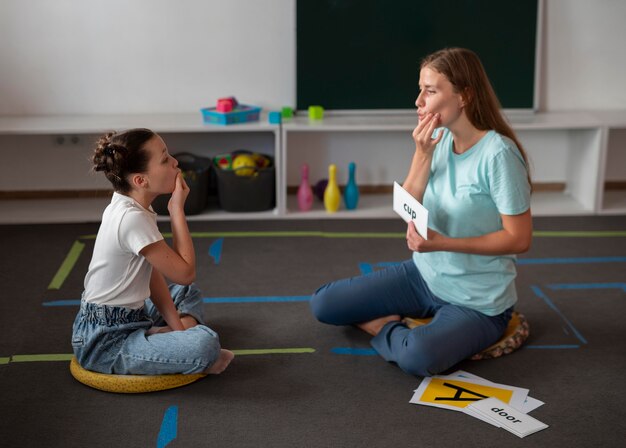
column 62, row 303
column 169, row 425
column 539, row 293
column 367, row 268
column 572, row 260
column 621, row 286
column 215, row 250
column 353, row 351
column 551, row 347
column 256, row 299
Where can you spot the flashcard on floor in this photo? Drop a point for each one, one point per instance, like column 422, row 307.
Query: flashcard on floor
column 472, row 413
column 506, row 417
column 530, row 404
column 455, row 394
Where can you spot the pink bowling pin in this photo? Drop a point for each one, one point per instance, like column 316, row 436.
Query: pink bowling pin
column 305, row 194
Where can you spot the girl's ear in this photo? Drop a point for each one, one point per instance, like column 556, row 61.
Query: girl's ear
column 139, row 181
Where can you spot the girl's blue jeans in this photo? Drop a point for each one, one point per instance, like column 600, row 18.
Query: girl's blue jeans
column 110, row 339
column 454, row 334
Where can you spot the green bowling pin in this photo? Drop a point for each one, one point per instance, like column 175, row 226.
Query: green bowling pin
column 332, row 195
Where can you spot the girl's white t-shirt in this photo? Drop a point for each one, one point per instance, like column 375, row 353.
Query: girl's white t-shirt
column 118, row 274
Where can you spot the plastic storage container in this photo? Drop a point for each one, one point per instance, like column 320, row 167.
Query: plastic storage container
column 198, row 173
column 242, row 114
column 253, row 193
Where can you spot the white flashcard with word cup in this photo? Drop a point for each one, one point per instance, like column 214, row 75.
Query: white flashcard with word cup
column 410, row 209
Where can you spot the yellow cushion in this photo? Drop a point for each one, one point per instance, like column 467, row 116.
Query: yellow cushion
column 130, row 384
column 514, row 336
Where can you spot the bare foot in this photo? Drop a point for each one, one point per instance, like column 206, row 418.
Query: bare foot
column 373, row 327
column 188, row 321
column 226, row 356
column 155, row 330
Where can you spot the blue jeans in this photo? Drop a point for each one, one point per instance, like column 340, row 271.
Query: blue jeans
column 110, row 339
column 454, row 334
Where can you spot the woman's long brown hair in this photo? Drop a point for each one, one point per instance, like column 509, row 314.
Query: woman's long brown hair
column 467, row 75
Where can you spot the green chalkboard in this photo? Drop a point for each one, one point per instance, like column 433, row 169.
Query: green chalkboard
column 365, row 54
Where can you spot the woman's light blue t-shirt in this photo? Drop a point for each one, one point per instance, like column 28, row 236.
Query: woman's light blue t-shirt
column 465, row 196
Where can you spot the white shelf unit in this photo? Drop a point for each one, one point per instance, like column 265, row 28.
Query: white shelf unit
column 564, row 148
column 52, row 153
column 613, row 202
column 577, row 149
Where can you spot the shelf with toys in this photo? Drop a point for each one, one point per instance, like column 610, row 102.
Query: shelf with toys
column 568, row 153
column 577, row 158
column 46, row 175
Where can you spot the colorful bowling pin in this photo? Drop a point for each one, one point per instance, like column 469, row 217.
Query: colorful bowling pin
column 351, row 193
column 305, row 193
column 332, row 195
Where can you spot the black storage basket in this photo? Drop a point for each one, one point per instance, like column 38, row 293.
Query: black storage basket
column 197, row 172
column 253, row 193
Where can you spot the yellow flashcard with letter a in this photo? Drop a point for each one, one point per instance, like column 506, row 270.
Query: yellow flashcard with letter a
column 452, row 393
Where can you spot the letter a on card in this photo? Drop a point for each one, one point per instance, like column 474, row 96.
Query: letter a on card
column 455, row 394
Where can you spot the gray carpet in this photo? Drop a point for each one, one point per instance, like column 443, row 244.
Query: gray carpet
column 572, row 290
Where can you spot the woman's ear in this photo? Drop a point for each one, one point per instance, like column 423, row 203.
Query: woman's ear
column 466, row 97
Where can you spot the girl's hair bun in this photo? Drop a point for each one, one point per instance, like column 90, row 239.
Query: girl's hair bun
column 104, row 154
column 119, row 154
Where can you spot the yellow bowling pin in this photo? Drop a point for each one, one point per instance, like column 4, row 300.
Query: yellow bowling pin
column 332, row 196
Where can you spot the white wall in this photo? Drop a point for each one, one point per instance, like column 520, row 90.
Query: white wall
column 584, row 62
column 159, row 56
column 143, row 56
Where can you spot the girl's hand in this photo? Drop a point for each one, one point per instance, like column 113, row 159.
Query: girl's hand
column 179, row 195
column 423, row 134
column 416, row 243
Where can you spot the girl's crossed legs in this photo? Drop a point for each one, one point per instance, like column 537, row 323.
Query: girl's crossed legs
column 188, row 302
column 118, row 340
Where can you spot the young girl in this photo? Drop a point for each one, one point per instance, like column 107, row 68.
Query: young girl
column 473, row 178
column 117, row 330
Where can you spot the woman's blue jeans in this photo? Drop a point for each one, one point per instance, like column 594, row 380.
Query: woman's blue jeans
column 110, row 339
column 454, row 334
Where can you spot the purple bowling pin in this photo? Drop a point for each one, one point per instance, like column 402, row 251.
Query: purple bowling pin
column 305, row 193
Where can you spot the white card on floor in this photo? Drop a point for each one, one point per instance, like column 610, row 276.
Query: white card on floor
column 410, row 209
column 507, row 417
column 455, row 394
column 469, row 411
column 529, row 405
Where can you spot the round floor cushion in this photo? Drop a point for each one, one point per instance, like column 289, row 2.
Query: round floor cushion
column 514, row 336
column 130, row 384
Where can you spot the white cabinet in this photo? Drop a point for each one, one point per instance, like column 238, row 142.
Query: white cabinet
column 573, row 155
column 51, row 153
column 566, row 152
column 612, row 196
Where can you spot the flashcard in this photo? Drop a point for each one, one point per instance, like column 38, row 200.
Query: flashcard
column 410, row 209
column 530, row 404
column 506, row 416
column 455, row 394
column 472, row 413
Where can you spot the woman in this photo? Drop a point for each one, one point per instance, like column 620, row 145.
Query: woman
column 117, row 330
column 471, row 173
